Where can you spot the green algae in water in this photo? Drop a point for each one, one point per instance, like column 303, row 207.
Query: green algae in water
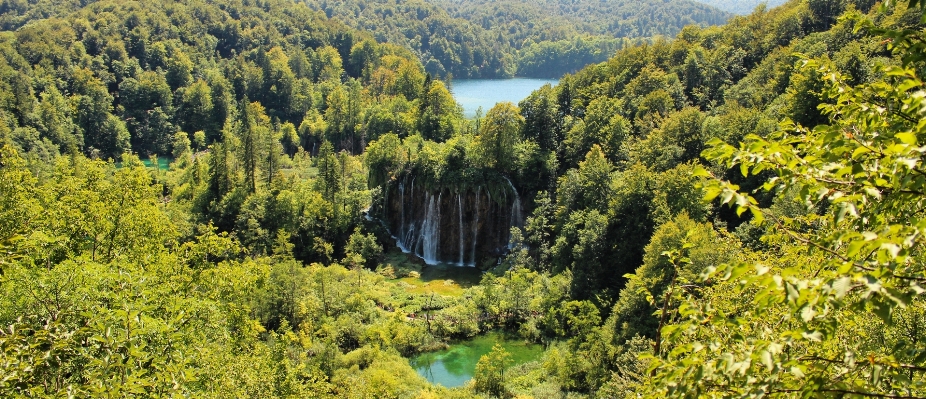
column 455, row 366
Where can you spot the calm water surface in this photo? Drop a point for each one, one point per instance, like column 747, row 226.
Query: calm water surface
column 455, row 366
column 475, row 93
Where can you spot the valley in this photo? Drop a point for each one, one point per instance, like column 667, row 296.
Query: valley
column 462, row 199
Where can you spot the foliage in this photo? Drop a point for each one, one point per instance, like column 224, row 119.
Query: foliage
column 739, row 6
column 501, row 39
column 490, row 371
column 524, row 22
column 244, row 269
column 858, row 258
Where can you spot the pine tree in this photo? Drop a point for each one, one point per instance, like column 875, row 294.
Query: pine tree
column 249, row 145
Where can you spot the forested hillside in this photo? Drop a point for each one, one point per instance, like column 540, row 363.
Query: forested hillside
column 498, row 39
column 741, row 7
column 735, row 212
column 518, row 21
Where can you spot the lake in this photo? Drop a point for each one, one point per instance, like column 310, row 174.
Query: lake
column 485, row 93
column 455, row 366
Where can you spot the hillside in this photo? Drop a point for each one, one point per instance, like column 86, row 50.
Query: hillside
column 499, row 39
column 519, row 21
column 443, row 44
column 740, row 7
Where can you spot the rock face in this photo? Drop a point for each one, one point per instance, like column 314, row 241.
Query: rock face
column 457, row 226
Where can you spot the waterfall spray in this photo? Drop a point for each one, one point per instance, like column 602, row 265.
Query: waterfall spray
column 430, row 231
column 476, row 223
column 460, row 207
column 517, row 220
column 402, row 211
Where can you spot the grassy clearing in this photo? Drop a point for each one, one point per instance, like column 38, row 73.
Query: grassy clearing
column 416, row 277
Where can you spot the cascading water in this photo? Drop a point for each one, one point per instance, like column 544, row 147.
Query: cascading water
column 517, row 219
column 430, row 232
column 405, row 238
column 461, row 238
column 402, row 201
column 476, row 223
column 480, row 230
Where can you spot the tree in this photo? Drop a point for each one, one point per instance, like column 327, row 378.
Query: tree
column 489, row 376
column 842, row 274
column 179, row 69
column 539, row 114
column 634, row 313
column 362, row 58
column 409, row 80
column 500, row 133
column 260, row 149
column 289, row 138
column 363, row 249
column 180, row 145
column 678, row 139
column 588, row 187
column 274, row 153
column 337, row 117
column 602, row 126
column 438, row 112
column 148, row 105
column 329, row 172
column 56, row 121
column 196, row 107
column 327, row 64
column 104, row 133
column 385, row 159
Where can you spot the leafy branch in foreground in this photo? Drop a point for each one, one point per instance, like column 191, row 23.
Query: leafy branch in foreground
column 807, row 330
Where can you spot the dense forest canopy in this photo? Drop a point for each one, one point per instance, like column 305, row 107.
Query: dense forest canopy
column 490, row 39
column 741, row 7
column 735, row 212
column 518, row 21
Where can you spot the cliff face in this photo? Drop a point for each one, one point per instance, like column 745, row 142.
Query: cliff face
column 463, row 227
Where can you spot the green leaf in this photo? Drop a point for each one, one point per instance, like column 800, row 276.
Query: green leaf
column 841, row 286
column 756, row 214
column 766, row 358
column 699, row 171
column 906, row 138
column 726, row 196
column 814, row 336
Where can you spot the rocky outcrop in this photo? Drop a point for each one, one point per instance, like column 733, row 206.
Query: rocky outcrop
column 466, row 227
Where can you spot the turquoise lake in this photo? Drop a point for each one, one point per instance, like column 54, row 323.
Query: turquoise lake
column 455, row 366
column 485, row 93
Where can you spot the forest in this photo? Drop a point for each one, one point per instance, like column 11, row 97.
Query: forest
column 741, row 7
column 245, row 198
column 496, row 39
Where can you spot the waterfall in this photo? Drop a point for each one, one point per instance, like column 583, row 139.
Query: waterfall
column 416, row 221
column 460, row 207
column 421, row 226
column 402, row 202
column 476, row 223
column 517, row 220
column 406, row 236
column 430, row 231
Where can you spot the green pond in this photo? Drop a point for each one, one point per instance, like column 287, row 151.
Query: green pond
column 455, row 366
column 163, row 163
